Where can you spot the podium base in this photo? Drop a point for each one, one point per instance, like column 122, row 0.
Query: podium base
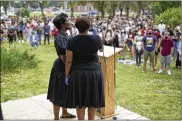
column 107, row 116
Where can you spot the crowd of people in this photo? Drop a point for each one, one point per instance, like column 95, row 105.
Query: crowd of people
column 81, row 70
column 138, row 34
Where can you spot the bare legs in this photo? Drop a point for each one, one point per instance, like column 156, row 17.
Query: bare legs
column 57, row 110
column 91, row 113
column 81, row 113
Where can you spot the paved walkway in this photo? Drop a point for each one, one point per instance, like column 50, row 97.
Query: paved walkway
column 38, row 107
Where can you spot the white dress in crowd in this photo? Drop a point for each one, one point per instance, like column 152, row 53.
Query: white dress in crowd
column 122, row 39
column 161, row 27
column 28, row 31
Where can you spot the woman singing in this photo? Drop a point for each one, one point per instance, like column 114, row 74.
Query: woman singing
column 57, row 87
column 83, row 72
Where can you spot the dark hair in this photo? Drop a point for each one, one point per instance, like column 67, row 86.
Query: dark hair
column 82, row 24
column 60, row 19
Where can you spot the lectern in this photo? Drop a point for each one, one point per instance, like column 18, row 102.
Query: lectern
column 107, row 63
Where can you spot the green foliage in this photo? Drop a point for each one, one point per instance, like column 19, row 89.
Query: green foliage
column 23, row 12
column 12, row 60
column 156, row 8
column 171, row 17
column 160, row 7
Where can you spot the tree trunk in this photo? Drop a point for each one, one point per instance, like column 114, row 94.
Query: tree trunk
column 102, row 14
column 121, row 11
column 113, row 12
column 127, row 11
column 42, row 9
column 139, row 9
column 5, row 6
column 102, row 11
column 72, row 12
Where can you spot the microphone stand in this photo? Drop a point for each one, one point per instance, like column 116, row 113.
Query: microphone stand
column 114, row 44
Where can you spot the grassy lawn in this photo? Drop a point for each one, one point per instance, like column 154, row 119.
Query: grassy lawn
column 155, row 96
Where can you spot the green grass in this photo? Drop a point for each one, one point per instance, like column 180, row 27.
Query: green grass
column 155, row 96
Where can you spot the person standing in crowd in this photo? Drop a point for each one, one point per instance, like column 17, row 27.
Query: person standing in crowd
column 51, row 29
column 34, row 40
column 47, row 31
column 11, row 33
column 130, row 43
column 39, row 31
column 150, row 46
column 108, row 36
column 20, row 31
column 2, row 34
column 178, row 44
column 138, row 47
column 176, row 40
column 27, row 32
column 55, row 32
column 178, row 60
column 122, row 40
column 158, row 36
column 83, row 72
column 166, row 50
column 161, row 27
column 57, row 87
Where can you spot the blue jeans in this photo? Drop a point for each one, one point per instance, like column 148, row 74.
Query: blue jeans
column 174, row 53
column 35, row 44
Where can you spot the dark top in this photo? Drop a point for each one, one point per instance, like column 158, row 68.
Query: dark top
column 149, row 42
column 60, row 43
column 85, row 48
column 166, row 45
column 47, row 29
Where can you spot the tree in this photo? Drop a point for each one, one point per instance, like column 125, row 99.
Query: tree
column 121, row 7
column 5, row 5
column 142, row 5
column 128, row 6
column 160, row 7
column 101, row 6
column 112, row 7
column 171, row 17
column 73, row 4
column 43, row 4
column 23, row 12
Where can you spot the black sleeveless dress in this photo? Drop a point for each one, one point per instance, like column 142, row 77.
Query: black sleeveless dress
column 86, row 84
column 57, row 87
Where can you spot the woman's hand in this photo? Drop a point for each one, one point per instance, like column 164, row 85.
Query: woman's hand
column 67, row 80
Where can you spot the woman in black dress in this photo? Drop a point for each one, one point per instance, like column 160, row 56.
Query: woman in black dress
column 57, row 87
column 83, row 72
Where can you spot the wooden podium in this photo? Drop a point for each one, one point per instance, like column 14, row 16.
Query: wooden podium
column 107, row 63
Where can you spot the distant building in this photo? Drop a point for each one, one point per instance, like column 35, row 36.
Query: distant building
column 86, row 8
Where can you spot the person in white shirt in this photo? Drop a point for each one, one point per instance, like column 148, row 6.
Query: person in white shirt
column 138, row 47
column 161, row 27
column 51, row 29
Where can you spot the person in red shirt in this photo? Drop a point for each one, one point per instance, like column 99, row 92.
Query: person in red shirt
column 143, row 31
column 54, row 32
column 167, row 46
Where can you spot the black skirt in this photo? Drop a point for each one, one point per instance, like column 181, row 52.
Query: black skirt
column 57, row 87
column 85, row 89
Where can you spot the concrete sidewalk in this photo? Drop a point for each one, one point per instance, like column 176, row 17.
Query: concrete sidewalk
column 38, row 107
